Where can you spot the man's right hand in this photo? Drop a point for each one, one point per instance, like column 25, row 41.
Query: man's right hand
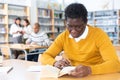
column 62, row 63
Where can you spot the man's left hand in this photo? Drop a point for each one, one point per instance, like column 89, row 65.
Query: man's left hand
column 81, row 71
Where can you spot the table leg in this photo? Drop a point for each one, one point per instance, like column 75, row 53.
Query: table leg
column 25, row 54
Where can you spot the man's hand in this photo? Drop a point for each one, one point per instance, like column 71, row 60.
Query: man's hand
column 81, row 71
column 62, row 63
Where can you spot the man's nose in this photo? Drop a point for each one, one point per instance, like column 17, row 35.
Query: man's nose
column 73, row 30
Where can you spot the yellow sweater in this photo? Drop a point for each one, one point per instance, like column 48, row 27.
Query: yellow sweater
column 95, row 51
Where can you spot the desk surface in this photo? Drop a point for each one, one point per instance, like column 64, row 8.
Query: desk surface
column 22, row 46
column 20, row 72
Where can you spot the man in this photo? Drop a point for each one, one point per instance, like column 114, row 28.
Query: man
column 86, row 47
column 37, row 38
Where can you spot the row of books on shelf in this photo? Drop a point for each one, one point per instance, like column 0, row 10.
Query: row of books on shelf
column 113, row 35
column 58, row 22
column 48, row 29
column 106, row 22
column 105, row 13
column 44, row 13
column 115, row 41
column 2, row 20
column 59, row 15
column 2, row 29
column 59, row 29
column 46, row 22
column 59, row 25
column 109, row 28
column 45, row 29
column 90, row 15
column 18, row 2
column 14, row 12
column 2, row 12
column 2, row 38
column 91, row 22
column 17, row 12
column 11, row 20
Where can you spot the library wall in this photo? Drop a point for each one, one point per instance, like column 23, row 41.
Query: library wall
column 108, row 20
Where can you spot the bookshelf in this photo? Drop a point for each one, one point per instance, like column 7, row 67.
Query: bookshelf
column 45, row 19
column 91, row 18
column 3, row 24
column 108, row 21
column 51, row 21
column 8, row 12
column 59, row 21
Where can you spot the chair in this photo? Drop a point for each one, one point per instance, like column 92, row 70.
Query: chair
column 6, row 50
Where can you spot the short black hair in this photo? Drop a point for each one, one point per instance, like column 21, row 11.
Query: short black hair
column 76, row 10
column 18, row 18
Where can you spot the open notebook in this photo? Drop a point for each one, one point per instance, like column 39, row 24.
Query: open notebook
column 5, row 69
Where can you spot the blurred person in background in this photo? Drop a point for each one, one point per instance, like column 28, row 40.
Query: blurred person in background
column 37, row 38
column 16, row 31
column 27, row 30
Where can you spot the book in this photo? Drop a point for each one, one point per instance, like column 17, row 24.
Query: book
column 54, row 72
column 5, row 69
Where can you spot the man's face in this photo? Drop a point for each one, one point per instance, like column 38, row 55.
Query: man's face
column 36, row 29
column 75, row 27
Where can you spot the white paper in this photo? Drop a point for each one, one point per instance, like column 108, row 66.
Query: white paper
column 5, row 69
column 3, row 76
column 49, row 71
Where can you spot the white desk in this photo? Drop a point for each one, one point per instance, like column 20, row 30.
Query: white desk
column 20, row 72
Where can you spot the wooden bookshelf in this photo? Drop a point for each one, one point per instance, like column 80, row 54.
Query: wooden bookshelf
column 45, row 19
column 51, row 21
column 59, row 22
column 3, row 22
